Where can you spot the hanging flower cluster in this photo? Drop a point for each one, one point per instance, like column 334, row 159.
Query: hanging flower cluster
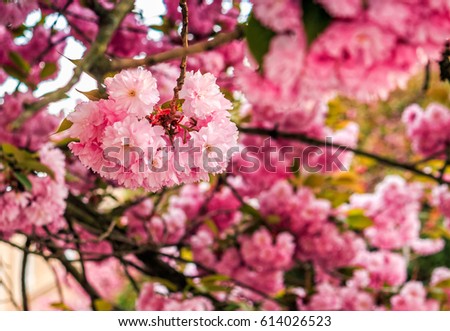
column 131, row 138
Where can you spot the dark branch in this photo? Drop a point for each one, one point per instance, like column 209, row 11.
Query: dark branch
column 316, row 142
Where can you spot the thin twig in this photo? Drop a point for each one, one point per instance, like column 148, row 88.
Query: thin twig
column 106, row 30
column 427, row 77
column 316, row 142
column 178, row 52
column 184, row 38
column 23, row 280
column 133, row 282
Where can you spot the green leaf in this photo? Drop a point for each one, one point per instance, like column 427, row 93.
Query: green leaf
column 61, row 306
column 23, row 179
column 34, row 165
column 18, row 32
column 64, row 142
column 212, row 226
column 93, row 95
column 18, row 154
column 76, row 62
column 212, row 283
column 168, row 104
column 102, row 305
column 273, row 219
column 443, row 284
column 232, row 306
column 356, row 220
column 347, row 272
column 214, row 278
column 167, row 283
column 14, row 72
column 186, row 254
column 315, row 19
column 20, row 62
column 247, row 209
column 65, row 125
column 258, row 39
column 314, row 180
column 48, row 70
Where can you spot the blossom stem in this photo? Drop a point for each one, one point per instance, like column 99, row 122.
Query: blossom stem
column 175, row 53
column 184, row 38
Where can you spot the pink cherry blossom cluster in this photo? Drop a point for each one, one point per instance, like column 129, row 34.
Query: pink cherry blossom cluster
column 439, row 275
column 144, row 225
column 382, row 268
column 276, row 157
column 413, row 296
column 247, row 264
column 33, row 133
column 268, row 238
column 332, row 297
column 131, row 139
column 222, row 208
column 14, row 13
column 129, row 40
column 394, row 208
column 41, row 59
column 441, row 199
column 151, row 299
column 204, row 16
column 428, row 129
column 369, row 49
column 302, row 228
column 308, row 218
column 44, row 204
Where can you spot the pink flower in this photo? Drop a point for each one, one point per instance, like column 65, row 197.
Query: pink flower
column 413, row 297
column 384, row 268
column 150, row 299
column 88, row 121
column 165, row 148
column 394, row 208
column 15, row 12
column 439, row 274
column 129, row 142
column 259, row 251
column 343, row 8
column 202, row 97
column 326, row 298
column 353, row 299
column 135, row 90
column 44, row 204
column 166, row 76
column 428, row 246
column 169, row 228
column 215, row 142
column 269, row 12
column 441, row 199
column 427, row 128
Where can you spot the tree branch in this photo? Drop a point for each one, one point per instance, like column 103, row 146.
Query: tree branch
column 316, row 142
column 23, row 281
column 184, row 38
column 175, row 53
column 108, row 25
